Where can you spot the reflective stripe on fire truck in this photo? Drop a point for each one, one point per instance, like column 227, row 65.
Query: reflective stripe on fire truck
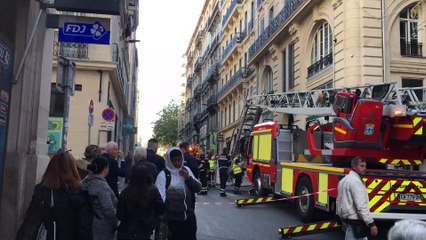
column 312, row 167
column 322, row 189
column 383, row 193
column 287, row 180
column 313, row 228
column 417, row 122
column 400, row 162
column 337, row 129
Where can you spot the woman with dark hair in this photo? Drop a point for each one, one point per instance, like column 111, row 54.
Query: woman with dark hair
column 104, row 202
column 69, row 212
column 139, row 206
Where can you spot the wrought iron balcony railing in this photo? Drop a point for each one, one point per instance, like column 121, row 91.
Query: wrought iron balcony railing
column 235, row 79
column 241, row 36
column 229, row 11
column 229, row 47
column 212, row 103
column 71, row 50
column 198, row 63
column 247, row 71
column 212, row 17
column 320, row 64
column 212, row 74
column 411, row 48
column 281, row 19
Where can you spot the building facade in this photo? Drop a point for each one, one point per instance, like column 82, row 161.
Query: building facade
column 105, row 74
column 294, row 45
column 26, row 50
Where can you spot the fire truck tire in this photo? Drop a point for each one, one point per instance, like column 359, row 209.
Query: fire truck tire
column 259, row 190
column 305, row 205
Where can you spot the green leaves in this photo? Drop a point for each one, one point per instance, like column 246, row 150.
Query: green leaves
column 166, row 127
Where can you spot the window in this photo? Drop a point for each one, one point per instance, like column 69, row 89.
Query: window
column 284, row 70
column 414, row 83
column 261, row 25
column 269, row 81
column 271, row 15
column 409, row 34
column 321, row 52
column 291, row 66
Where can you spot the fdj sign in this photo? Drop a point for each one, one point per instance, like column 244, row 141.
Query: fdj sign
column 84, row 33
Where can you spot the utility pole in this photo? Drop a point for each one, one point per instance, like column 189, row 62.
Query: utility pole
column 65, row 85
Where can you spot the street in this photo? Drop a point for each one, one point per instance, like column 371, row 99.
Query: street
column 218, row 218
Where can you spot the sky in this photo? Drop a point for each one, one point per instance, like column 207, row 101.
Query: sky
column 165, row 29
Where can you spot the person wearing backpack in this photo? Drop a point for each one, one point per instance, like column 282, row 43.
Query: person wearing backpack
column 176, row 184
column 140, row 206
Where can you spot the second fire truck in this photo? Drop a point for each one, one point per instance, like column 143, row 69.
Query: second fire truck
column 384, row 124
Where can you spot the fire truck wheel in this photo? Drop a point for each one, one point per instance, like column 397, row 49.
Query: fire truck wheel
column 305, row 205
column 259, row 191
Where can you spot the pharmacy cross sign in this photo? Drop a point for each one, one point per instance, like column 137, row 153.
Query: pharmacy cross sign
column 108, row 114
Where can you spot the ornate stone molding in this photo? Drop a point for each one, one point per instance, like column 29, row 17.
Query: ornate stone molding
column 293, row 29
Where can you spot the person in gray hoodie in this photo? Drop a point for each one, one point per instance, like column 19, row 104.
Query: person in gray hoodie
column 102, row 198
column 176, row 191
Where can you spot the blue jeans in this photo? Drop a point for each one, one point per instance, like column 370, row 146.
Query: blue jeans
column 350, row 235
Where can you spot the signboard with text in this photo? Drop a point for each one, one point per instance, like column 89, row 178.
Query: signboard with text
column 84, row 30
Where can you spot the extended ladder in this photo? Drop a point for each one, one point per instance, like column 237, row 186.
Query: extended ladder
column 320, row 101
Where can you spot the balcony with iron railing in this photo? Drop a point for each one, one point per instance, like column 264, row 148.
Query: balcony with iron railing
column 213, row 45
column 230, row 12
column 411, row 49
column 71, row 50
column 280, row 20
column 234, row 81
column 321, row 64
column 228, row 49
column 212, row 17
column 212, row 104
column 200, row 36
column 241, row 36
column 247, row 71
column 250, row 26
column 196, row 119
column 190, row 80
column 198, row 90
column 212, row 74
column 198, row 63
column 204, row 115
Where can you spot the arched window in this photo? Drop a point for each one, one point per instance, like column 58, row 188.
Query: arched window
column 409, row 34
column 322, row 48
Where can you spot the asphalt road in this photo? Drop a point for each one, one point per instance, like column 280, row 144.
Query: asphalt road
column 218, row 218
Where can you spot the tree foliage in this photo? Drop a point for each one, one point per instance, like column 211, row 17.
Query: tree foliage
column 166, row 127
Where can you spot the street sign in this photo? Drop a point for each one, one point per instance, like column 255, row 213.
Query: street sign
column 90, row 120
column 107, row 126
column 108, row 114
column 82, row 32
column 91, row 106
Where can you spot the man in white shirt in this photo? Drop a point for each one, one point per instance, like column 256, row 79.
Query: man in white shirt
column 353, row 202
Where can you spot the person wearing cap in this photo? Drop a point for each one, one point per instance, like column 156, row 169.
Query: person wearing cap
column 177, row 193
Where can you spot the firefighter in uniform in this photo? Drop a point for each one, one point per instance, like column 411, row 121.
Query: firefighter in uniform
column 223, row 163
column 203, row 167
column 212, row 166
column 237, row 170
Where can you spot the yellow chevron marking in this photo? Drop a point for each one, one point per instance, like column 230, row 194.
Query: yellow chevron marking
column 373, row 184
column 417, row 120
column 403, row 125
column 383, row 160
column 298, row 229
column 395, row 161
column 418, row 162
column 259, row 200
column 311, row 227
column 419, row 132
column 406, row 162
column 285, row 230
column 250, row 200
column 383, row 206
column 325, row 225
column 374, row 200
column 340, row 130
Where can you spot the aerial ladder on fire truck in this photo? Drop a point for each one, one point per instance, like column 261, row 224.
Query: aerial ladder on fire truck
column 408, row 101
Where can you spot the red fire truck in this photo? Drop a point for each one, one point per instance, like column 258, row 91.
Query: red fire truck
column 384, row 124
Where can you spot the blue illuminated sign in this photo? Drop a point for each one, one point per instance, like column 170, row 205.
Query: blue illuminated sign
column 84, row 33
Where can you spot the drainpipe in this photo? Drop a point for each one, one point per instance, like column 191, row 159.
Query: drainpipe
column 384, row 52
column 100, row 84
